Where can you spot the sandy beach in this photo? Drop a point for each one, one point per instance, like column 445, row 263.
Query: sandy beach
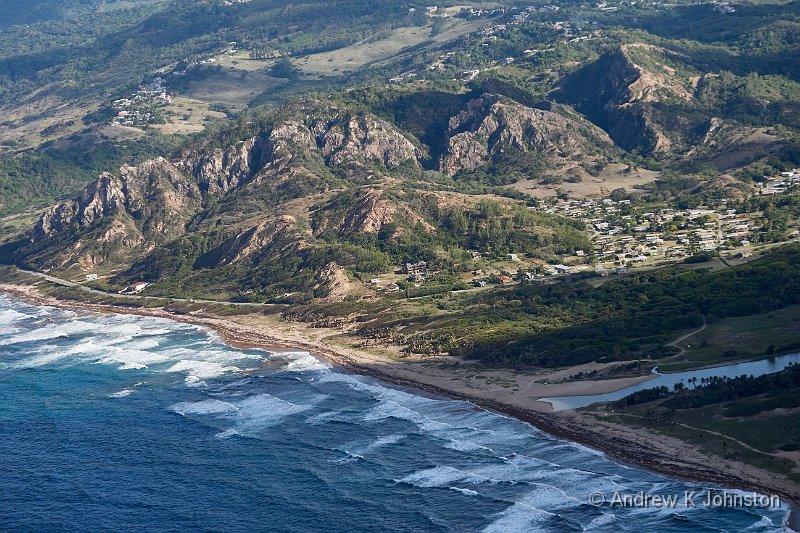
column 516, row 394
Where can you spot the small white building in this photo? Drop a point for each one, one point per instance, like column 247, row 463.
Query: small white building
column 135, row 288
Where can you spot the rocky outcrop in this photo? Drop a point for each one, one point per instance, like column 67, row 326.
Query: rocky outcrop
column 637, row 129
column 334, row 282
column 326, row 136
column 155, row 194
column 218, row 171
column 359, row 138
column 276, row 236
column 622, row 97
column 143, row 207
column 100, row 198
column 491, row 125
column 631, row 83
column 369, row 215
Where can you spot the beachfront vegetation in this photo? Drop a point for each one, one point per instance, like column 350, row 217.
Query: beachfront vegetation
column 627, row 318
column 746, row 418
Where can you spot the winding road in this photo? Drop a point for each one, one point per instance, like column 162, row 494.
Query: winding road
column 67, row 283
column 675, row 343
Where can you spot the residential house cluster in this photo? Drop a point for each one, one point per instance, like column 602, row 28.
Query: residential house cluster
column 625, row 235
column 138, row 109
column 781, row 184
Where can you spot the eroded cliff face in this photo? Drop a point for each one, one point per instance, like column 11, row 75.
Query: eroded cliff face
column 371, row 213
column 633, row 123
column 490, row 125
column 219, row 171
column 317, row 137
column 277, row 236
column 334, row 283
column 360, row 138
column 143, row 207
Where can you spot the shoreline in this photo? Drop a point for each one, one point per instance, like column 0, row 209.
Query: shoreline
column 632, row 446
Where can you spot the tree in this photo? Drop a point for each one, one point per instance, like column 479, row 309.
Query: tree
column 284, row 68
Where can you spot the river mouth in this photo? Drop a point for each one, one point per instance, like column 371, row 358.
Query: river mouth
column 757, row 368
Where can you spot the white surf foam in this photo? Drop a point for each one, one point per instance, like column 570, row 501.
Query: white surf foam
column 10, row 316
column 443, row 476
column 531, row 511
column 199, row 370
column 204, row 407
column 250, row 415
column 302, row 362
column 465, row 446
column 121, row 394
column 468, row 492
column 603, row 520
column 51, row 331
column 357, row 450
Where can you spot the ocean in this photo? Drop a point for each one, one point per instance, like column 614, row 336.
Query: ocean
column 127, row 423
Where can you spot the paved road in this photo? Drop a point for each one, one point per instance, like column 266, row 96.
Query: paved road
column 67, row 283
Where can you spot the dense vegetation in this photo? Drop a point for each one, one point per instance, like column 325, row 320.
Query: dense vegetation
column 626, row 318
column 721, row 389
column 34, row 179
column 42, row 10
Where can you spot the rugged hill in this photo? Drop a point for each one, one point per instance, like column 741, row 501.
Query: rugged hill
column 311, row 190
column 625, row 93
column 116, row 217
column 662, row 103
column 490, row 126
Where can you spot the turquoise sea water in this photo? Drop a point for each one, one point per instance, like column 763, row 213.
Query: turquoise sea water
column 136, row 424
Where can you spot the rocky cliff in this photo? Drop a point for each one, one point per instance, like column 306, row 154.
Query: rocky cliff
column 142, row 207
column 264, row 208
column 491, row 125
column 624, row 97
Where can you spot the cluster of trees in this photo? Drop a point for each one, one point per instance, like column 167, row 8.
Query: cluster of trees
column 716, row 389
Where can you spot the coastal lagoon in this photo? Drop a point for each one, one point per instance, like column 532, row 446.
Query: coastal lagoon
column 132, row 423
column 760, row 367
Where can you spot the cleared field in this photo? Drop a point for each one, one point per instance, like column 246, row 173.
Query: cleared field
column 115, row 5
column 96, row 134
column 240, row 60
column 187, row 115
column 739, row 338
column 232, row 87
column 38, row 120
column 612, row 177
column 353, row 57
column 12, row 226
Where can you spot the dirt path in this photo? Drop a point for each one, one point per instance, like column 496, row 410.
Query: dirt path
column 675, row 343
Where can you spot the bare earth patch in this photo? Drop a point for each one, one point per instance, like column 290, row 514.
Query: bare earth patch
column 612, row 177
column 186, row 115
